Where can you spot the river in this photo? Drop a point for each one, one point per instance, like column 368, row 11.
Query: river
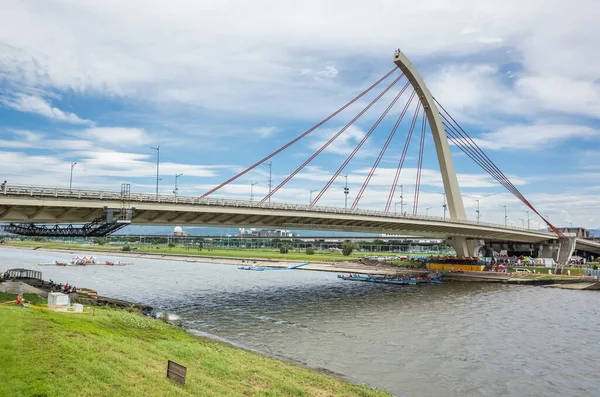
column 454, row 339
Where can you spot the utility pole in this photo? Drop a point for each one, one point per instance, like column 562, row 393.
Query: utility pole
column 505, row 216
column 270, row 165
column 478, row 212
column 252, row 190
column 311, row 192
column 346, row 191
column 157, row 148
column 176, row 189
column 71, row 178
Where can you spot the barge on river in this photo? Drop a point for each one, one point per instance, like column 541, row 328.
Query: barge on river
column 451, row 263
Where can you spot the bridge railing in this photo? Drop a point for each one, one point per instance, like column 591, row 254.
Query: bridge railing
column 88, row 194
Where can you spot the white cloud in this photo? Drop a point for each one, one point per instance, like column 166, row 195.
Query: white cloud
column 534, row 137
column 558, row 93
column 343, row 144
column 295, row 58
column 34, row 104
column 265, row 132
column 119, row 136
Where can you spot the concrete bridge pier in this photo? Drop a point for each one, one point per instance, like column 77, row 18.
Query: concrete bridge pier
column 465, row 247
column 566, row 248
column 548, row 250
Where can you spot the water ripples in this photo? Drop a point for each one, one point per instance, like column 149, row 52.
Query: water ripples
column 452, row 339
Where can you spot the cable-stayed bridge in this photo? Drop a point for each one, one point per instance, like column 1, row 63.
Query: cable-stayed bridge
column 29, row 206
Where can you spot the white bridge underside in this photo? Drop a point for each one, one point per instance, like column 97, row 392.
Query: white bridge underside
column 77, row 211
column 33, row 205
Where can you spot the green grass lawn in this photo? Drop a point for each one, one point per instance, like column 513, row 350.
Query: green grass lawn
column 242, row 253
column 117, row 353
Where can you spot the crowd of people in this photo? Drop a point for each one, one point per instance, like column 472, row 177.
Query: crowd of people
column 64, row 288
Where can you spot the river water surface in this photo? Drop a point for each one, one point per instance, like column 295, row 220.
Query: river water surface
column 454, row 339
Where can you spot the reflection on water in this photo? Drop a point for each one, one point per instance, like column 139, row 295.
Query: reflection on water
column 452, row 339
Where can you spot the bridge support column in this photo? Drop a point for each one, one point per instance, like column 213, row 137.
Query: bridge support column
column 566, row 248
column 465, row 247
column 547, row 250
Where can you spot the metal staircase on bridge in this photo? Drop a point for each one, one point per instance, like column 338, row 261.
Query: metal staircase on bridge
column 113, row 220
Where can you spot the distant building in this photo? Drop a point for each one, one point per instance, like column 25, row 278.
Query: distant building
column 579, row 232
column 265, row 233
column 178, row 232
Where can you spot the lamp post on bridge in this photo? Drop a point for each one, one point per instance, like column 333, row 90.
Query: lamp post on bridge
column 445, row 206
column 427, row 211
column 157, row 148
column 505, row 216
column 401, row 199
column 523, row 222
column 478, row 212
column 396, row 205
column 346, row 191
column 270, row 165
column 528, row 219
column 311, row 192
column 71, row 178
column 176, row 190
column 252, row 190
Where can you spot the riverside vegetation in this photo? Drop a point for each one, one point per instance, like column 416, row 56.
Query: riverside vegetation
column 109, row 352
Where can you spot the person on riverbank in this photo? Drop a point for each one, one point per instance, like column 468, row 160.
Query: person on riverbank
column 3, row 186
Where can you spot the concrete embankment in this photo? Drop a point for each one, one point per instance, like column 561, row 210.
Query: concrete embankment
column 578, row 286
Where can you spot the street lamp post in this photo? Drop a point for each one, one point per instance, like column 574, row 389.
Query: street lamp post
column 401, row 198
column 71, row 178
column 157, row 148
column 445, row 206
column 396, row 204
column 252, row 190
column 311, row 192
column 505, row 216
column 427, row 211
column 528, row 219
column 346, row 191
column 478, row 212
column 270, row 165
column 176, row 190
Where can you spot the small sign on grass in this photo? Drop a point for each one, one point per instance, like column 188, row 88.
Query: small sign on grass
column 176, row 372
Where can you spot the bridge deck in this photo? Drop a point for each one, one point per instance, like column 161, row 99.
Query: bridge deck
column 60, row 205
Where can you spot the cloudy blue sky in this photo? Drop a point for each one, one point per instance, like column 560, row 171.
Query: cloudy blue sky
column 219, row 85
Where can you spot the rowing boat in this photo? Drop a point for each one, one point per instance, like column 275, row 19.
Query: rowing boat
column 398, row 280
column 260, row 269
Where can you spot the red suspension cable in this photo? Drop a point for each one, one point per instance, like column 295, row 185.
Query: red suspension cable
column 301, row 135
column 360, row 144
column 420, row 166
column 383, row 150
column 470, row 147
column 401, row 162
column 333, row 138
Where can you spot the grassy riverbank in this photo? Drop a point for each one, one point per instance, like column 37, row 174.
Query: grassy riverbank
column 113, row 352
column 241, row 253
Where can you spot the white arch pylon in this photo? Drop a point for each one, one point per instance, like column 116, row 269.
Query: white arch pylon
column 451, row 188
